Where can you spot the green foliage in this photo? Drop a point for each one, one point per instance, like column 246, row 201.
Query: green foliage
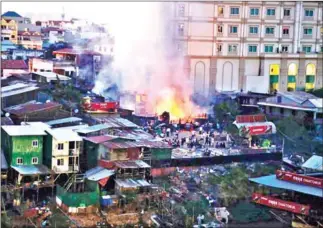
column 226, row 111
column 130, row 196
column 246, row 212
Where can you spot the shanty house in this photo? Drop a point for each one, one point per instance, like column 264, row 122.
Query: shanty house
column 62, row 150
column 23, row 145
column 36, row 111
column 9, row 67
column 17, row 94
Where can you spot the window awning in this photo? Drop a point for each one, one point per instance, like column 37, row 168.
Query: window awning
column 29, row 170
column 256, row 128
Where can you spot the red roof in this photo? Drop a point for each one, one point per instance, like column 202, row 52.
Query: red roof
column 32, row 107
column 100, row 139
column 14, row 64
column 71, row 51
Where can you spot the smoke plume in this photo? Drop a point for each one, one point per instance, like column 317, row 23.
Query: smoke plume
column 146, row 59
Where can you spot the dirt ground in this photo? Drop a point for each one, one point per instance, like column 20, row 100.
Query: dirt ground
column 88, row 220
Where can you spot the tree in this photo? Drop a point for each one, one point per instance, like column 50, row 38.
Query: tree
column 226, row 111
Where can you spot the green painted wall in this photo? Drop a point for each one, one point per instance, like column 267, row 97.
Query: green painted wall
column 21, row 147
column 161, row 153
column 91, row 152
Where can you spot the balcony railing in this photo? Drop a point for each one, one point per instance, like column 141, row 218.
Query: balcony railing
column 73, row 168
column 73, row 152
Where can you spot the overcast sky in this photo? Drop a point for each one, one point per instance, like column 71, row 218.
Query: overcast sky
column 100, row 12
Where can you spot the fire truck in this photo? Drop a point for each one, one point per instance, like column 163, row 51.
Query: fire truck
column 92, row 104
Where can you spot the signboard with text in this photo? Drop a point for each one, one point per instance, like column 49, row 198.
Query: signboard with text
column 280, row 204
column 299, row 179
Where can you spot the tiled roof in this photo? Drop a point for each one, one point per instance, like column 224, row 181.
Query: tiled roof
column 29, row 33
column 10, row 14
column 13, row 64
column 31, row 107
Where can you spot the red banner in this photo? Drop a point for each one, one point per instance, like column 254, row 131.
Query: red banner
column 280, row 204
column 300, row 179
column 257, row 130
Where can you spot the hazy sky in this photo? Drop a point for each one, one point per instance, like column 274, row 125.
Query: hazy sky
column 99, row 12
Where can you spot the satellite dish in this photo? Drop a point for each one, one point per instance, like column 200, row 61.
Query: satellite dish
column 7, row 114
column 47, row 101
column 76, row 111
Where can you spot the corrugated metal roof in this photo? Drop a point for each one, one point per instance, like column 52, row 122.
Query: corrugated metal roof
column 98, row 173
column 272, row 181
column 51, row 76
column 315, row 162
column 19, row 130
column 64, row 120
column 64, row 135
column 122, row 145
column 4, row 164
column 13, row 87
column 116, row 122
column 32, row 106
column 94, row 128
column 75, row 127
column 14, row 64
column 133, row 134
column 132, row 183
column 298, row 96
column 131, row 164
column 31, row 169
column 100, row 139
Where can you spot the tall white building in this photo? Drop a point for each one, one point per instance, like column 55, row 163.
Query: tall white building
column 254, row 46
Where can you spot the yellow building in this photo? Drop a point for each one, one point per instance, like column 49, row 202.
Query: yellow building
column 9, row 30
column 30, row 40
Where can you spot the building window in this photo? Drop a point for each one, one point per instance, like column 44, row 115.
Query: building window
column 60, row 146
column 281, row 111
column 19, row 161
column 308, row 31
column 220, row 10
column 13, row 36
column 220, row 28
column 285, row 31
column 233, row 29
column 181, row 10
column 6, row 38
column 3, row 27
column 34, row 160
column 293, row 112
column 271, row 12
column 284, row 48
column 270, row 30
column 269, row 48
column 307, row 49
column 233, row 48
column 252, row 48
column 253, row 30
column 321, row 48
column 35, row 143
column 309, row 12
column 180, row 29
column 234, row 11
column 219, row 47
column 254, row 11
column 286, row 12
column 60, row 162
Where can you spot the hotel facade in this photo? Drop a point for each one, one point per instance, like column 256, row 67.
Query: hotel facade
column 253, row 46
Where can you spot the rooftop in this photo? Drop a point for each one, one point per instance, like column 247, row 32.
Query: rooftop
column 100, row 139
column 21, row 130
column 133, row 134
column 30, row 170
column 10, row 14
column 132, row 183
column 94, row 128
column 64, row 135
column 51, row 76
column 315, row 162
column 122, row 145
column 18, row 88
column 71, row 51
column 6, row 121
column 14, row 64
column 98, row 173
column 47, row 29
column 298, row 96
column 31, row 107
column 64, row 120
column 272, row 181
column 116, row 122
column 131, row 164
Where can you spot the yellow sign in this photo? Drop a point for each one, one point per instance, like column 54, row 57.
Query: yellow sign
column 274, row 69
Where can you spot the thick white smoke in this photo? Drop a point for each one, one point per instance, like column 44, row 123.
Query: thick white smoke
column 146, row 56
